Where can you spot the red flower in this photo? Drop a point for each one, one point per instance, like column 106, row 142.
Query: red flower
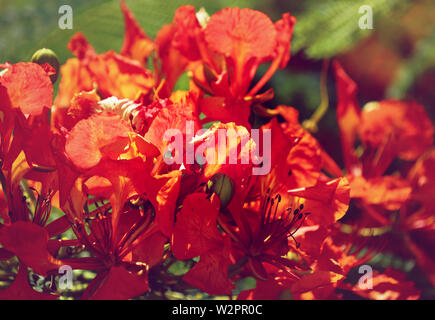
column 121, row 275
column 260, row 232
column 405, row 126
column 118, row 169
column 223, row 54
column 387, row 129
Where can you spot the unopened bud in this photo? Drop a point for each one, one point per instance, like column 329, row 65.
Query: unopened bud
column 223, row 186
column 43, row 56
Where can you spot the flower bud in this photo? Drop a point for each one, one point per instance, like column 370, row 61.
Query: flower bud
column 223, row 186
column 43, row 56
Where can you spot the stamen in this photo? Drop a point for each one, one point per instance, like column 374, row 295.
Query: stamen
column 275, row 229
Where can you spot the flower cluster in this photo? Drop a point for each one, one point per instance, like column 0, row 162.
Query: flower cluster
column 87, row 179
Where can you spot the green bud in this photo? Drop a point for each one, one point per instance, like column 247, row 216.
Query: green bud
column 223, row 186
column 43, row 56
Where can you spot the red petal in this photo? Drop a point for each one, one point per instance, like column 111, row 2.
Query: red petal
column 296, row 155
column 173, row 63
column 226, row 110
column 241, row 34
column 151, row 249
column 315, row 280
column 327, row 202
column 210, row 274
column 37, row 142
column 102, row 135
column 137, row 45
column 187, row 32
column 120, row 76
column 348, row 114
column 173, row 116
column 98, row 186
column 167, row 200
column 235, row 160
column 4, row 211
column 388, row 191
column 311, row 239
column 29, row 242
column 74, row 78
column 58, row 226
column 422, row 178
column 20, row 289
column 80, row 47
column 29, row 87
column 80, row 107
column 196, row 231
column 116, row 284
column 284, row 29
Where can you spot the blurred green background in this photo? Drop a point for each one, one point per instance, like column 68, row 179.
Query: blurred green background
column 394, row 60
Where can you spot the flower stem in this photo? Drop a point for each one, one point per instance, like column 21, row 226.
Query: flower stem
column 311, row 124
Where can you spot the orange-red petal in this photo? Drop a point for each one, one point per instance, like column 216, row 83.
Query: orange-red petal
column 29, row 88
column 241, row 34
column 137, row 45
column 102, row 135
column 196, row 231
column 327, row 202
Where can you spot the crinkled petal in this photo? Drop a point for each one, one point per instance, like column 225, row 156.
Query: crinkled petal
column 195, row 230
column 102, row 135
column 29, row 88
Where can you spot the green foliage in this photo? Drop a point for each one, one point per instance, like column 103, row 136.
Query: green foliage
column 422, row 59
column 326, row 28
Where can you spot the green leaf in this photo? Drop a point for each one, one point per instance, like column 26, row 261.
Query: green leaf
column 328, row 27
